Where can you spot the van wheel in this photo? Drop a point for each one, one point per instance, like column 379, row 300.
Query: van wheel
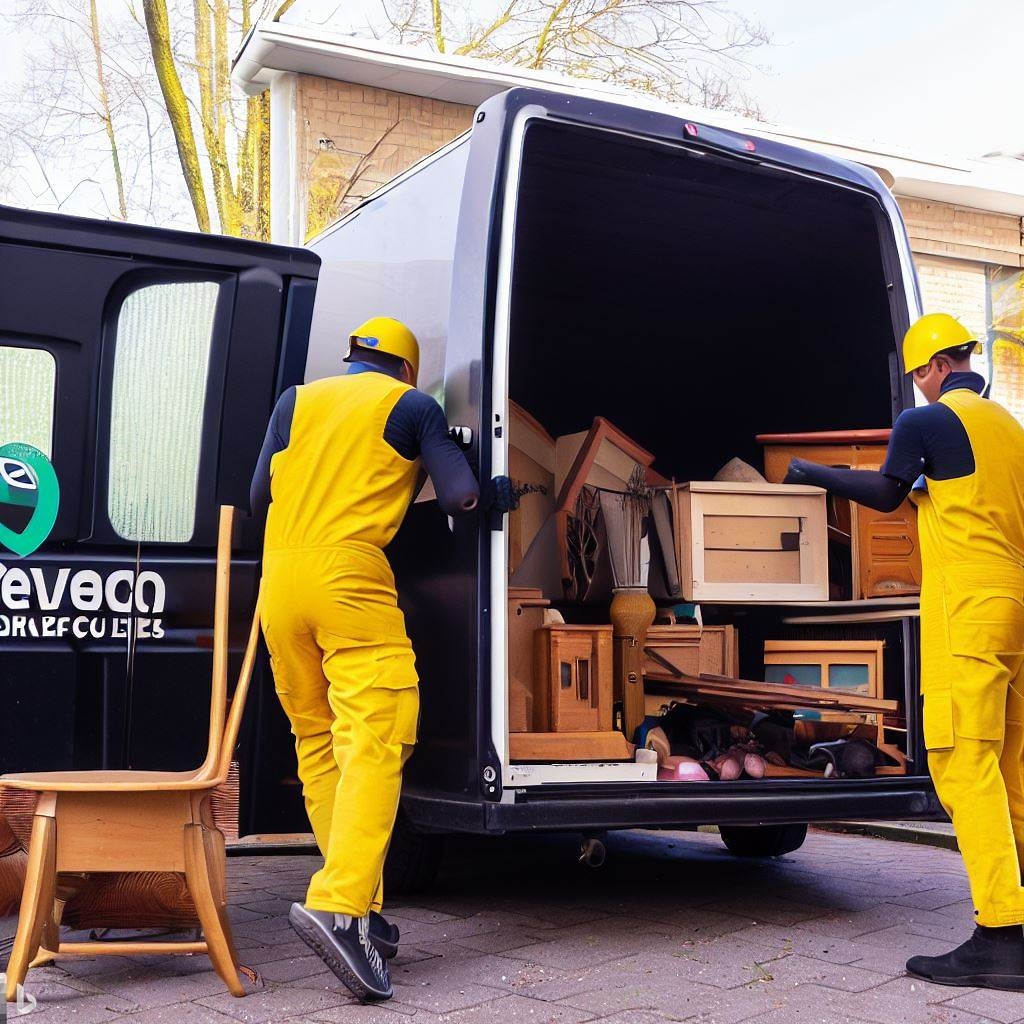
column 413, row 859
column 762, row 840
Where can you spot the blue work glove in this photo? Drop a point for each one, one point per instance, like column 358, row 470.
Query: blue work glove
column 798, row 472
column 498, row 495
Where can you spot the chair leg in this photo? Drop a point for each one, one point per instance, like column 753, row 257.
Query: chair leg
column 66, row 887
column 202, row 871
column 36, row 902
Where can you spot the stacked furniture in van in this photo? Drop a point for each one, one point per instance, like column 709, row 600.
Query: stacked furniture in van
column 675, row 626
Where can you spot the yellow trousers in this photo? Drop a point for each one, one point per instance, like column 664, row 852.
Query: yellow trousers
column 345, row 674
column 973, row 684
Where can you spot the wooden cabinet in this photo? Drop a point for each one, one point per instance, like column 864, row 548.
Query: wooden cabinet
column 687, row 650
column 692, row 650
column 884, row 546
column 526, row 608
column 751, row 542
column 573, row 672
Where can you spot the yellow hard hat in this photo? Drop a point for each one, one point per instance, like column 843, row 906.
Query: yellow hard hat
column 385, row 334
column 930, row 334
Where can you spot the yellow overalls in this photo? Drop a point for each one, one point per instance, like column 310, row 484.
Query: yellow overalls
column 972, row 653
column 343, row 665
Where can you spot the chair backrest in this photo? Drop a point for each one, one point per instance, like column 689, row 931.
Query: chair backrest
column 223, row 726
column 221, row 609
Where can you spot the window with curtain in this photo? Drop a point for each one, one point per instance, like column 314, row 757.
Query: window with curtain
column 161, row 362
column 1006, row 337
column 989, row 300
column 28, row 380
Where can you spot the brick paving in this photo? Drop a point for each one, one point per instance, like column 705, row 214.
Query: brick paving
column 672, row 928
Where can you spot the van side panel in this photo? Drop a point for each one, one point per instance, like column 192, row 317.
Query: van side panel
column 392, row 257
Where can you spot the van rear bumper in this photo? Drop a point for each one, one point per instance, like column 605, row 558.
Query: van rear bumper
column 608, row 807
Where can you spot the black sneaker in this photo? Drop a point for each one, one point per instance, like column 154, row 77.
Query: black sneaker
column 349, row 952
column 990, row 958
column 384, row 935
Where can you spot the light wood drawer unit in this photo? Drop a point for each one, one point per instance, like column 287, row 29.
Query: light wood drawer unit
column 751, row 542
column 574, row 678
column 885, row 551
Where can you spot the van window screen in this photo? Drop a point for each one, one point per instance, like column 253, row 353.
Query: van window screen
column 28, row 378
column 161, row 358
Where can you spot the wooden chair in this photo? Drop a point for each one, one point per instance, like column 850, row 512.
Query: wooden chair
column 89, row 821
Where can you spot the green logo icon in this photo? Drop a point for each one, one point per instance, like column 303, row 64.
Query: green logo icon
column 28, row 484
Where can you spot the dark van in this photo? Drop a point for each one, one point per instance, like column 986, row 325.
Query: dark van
column 567, row 257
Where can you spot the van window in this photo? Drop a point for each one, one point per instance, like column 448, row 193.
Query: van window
column 161, row 358
column 28, row 379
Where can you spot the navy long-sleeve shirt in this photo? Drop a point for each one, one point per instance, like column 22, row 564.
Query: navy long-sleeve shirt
column 927, row 441
column 415, row 428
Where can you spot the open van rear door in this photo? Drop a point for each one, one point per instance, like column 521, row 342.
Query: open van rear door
column 143, row 364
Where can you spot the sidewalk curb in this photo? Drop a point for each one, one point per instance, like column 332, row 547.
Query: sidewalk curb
column 894, row 833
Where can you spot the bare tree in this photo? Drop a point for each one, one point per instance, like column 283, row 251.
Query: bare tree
column 133, row 107
column 697, row 51
column 155, row 80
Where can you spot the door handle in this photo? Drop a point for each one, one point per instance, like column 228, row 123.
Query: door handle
column 462, row 436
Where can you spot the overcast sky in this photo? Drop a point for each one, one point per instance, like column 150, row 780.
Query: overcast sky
column 939, row 75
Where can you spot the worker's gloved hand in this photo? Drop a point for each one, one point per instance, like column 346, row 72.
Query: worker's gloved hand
column 797, row 472
column 498, row 495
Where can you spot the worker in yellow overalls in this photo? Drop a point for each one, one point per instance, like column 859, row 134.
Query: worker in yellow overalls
column 961, row 458
column 338, row 469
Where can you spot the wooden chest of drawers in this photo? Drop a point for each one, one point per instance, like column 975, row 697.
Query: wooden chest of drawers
column 885, row 551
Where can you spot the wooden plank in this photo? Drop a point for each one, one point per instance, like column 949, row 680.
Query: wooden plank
column 569, row 746
column 748, row 533
column 772, row 694
column 763, row 567
column 837, row 437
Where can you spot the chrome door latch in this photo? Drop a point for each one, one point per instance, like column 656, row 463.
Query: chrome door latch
column 462, row 436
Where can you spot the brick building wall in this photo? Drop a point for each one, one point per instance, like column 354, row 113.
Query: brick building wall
column 960, row 255
column 354, row 138
column 941, row 229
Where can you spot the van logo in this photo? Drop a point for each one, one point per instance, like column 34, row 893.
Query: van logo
column 28, row 488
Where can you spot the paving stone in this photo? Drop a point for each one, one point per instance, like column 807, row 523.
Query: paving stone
column 903, row 1000
column 1004, row 1007
column 767, row 908
column 390, row 1012
column 276, row 1004
column 516, row 1009
column 500, row 940
column 292, row 968
column 86, row 966
column 77, row 1009
column 795, row 939
column 634, row 1017
column 932, row 899
column 778, row 975
column 240, row 914
column 148, row 987
column 674, row 998
column 177, row 1013
column 270, row 905
column 672, row 928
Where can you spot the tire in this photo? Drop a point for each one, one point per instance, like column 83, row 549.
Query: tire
column 762, row 840
column 413, row 859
